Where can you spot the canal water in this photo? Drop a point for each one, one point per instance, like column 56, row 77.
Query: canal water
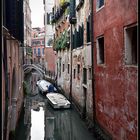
column 39, row 121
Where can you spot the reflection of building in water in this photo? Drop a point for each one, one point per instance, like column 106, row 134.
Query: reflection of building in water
column 49, row 128
column 58, row 124
column 49, row 122
column 63, row 126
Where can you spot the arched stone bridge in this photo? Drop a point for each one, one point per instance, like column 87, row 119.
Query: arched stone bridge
column 28, row 67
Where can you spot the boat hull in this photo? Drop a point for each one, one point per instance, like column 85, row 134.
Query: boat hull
column 58, row 101
column 43, row 86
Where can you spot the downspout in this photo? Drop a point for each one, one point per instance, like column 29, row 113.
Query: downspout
column 71, row 42
column 72, row 17
column 92, row 62
column 2, row 135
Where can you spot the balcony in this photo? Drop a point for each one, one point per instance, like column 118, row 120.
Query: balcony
column 60, row 11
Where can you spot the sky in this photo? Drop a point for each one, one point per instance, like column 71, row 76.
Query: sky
column 37, row 13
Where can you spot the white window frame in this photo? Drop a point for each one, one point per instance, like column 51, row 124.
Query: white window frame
column 97, row 5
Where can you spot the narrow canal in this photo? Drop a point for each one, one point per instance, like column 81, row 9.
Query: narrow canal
column 39, row 121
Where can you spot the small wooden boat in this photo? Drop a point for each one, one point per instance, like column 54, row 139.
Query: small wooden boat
column 57, row 100
column 43, row 86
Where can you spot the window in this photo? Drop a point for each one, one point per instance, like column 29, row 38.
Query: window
column 63, row 67
column 35, row 51
column 78, row 71
column 49, row 18
column 130, row 36
column 81, row 33
column 100, row 3
column 43, row 42
column 88, row 30
column 84, row 75
column 38, row 42
column 42, row 51
column 100, row 50
column 74, row 73
column 60, row 67
column 78, row 38
column 57, row 68
column 89, row 74
column 35, row 43
column 68, row 68
column 75, row 39
column 72, row 10
column 38, row 51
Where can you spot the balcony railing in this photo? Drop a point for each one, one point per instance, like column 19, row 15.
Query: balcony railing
column 60, row 11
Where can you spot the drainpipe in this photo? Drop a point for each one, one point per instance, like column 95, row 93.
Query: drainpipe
column 71, row 42
column 2, row 135
column 92, row 62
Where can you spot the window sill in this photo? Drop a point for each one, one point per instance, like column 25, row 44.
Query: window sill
column 88, row 43
column 98, row 9
column 84, row 85
column 101, row 65
column 131, row 65
column 78, row 48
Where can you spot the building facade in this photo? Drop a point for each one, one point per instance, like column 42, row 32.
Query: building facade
column 27, row 31
column 115, row 67
column 98, row 69
column 38, row 47
column 49, row 29
column 49, row 35
column 62, row 44
column 12, row 72
column 82, row 93
column 74, row 53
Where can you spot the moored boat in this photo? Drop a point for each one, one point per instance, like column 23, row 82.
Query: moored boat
column 58, row 100
column 43, row 86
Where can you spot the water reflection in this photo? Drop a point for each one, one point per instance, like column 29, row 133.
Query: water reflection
column 44, row 123
column 66, row 125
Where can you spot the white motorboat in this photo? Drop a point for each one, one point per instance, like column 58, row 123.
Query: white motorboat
column 57, row 100
column 43, row 86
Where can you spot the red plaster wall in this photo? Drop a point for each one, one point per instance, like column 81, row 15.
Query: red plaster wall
column 115, row 82
column 50, row 58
